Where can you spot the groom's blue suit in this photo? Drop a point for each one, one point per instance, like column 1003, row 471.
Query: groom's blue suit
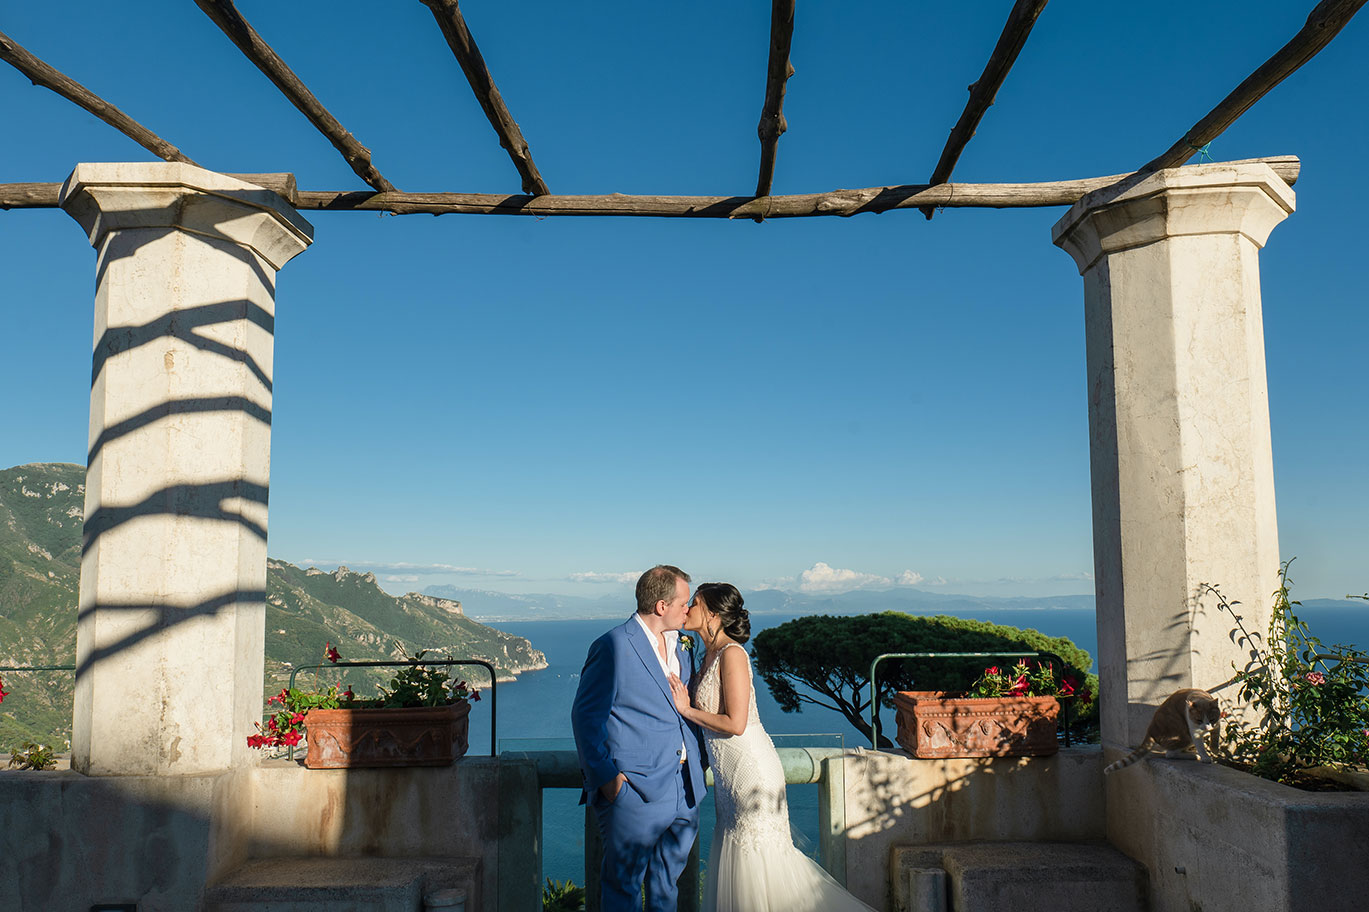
column 625, row 722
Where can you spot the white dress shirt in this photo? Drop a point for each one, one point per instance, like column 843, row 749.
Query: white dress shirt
column 670, row 664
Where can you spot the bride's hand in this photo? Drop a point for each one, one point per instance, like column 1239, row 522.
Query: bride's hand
column 679, row 693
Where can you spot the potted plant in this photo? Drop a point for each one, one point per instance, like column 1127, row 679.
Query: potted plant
column 1006, row 713
column 420, row 719
column 1310, row 726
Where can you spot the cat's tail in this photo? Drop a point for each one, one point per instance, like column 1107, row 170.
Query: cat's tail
column 1129, row 759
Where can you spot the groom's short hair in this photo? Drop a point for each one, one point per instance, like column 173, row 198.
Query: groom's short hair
column 657, row 585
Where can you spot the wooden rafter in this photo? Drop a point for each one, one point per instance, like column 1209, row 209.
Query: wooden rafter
column 41, row 74
column 835, row 202
column 1323, row 23
column 453, row 25
column 227, row 18
column 777, row 74
column 985, row 89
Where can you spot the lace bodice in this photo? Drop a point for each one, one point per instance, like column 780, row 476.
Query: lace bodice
column 709, row 694
column 747, row 775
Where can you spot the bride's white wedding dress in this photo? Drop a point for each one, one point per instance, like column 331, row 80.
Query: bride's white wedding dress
column 754, row 866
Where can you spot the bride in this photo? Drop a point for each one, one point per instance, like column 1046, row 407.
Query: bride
column 754, row 866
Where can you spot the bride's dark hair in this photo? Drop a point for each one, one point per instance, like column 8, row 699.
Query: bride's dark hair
column 723, row 600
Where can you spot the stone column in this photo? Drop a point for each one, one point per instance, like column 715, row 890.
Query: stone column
column 1181, row 465
column 173, row 567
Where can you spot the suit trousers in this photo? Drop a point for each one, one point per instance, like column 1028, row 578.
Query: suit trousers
column 646, row 842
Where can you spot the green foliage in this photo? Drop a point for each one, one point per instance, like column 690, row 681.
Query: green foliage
column 422, row 685
column 1028, row 678
column 33, row 756
column 562, row 897
column 831, row 656
column 1313, row 700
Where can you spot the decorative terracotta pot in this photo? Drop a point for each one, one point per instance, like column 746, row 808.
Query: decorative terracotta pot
column 932, row 724
column 420, row 736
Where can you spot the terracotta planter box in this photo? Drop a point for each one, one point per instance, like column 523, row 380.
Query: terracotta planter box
column 932, row 724
column 352, row 738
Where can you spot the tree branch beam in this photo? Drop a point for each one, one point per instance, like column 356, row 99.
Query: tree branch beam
column 226, row 16
column 459, row 39
column 1323, row 24
column 835, row 202
column 985, row 89
column 777, row 74
column 41, row 74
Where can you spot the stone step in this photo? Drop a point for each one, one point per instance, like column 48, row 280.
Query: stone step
column 341, row 884
column 1017, row 877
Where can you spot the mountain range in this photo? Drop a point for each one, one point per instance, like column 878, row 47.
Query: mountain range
column 41, row 510
column 501, row 606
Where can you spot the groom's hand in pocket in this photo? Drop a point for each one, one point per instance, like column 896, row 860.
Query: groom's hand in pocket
column 610, row 790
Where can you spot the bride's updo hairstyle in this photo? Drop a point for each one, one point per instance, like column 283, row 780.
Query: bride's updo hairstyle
column 724, row 601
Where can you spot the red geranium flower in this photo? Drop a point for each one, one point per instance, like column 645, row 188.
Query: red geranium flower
column 291, row 738
column 330, row 652
column 1020, row 686
column 475, row 695
column 347, row 694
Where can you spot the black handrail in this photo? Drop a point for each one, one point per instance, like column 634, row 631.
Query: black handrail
column 494, row 696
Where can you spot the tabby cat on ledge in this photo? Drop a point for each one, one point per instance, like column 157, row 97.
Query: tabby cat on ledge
column 1179, row 726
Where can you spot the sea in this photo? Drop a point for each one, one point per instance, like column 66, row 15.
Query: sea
column 534, row 712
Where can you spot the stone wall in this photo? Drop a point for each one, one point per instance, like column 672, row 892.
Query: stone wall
column 892, row 801
column 1218, row 840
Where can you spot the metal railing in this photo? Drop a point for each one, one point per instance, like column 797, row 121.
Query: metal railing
column 1064, row 700
column 494, row 696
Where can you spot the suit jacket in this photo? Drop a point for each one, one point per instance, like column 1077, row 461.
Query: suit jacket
column 625, row 720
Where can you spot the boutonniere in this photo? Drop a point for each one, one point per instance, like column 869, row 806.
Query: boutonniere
column 687, row 643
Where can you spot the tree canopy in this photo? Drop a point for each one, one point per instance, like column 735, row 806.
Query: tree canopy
column 830, row 658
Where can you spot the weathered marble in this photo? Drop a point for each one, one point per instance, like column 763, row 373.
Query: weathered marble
column 1181, row 460
column 173, row 572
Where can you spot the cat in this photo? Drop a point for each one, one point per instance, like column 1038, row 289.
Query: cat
column 1180, row 724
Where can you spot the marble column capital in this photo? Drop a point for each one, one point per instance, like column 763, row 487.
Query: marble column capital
column 1246, row 199
column 105, row 197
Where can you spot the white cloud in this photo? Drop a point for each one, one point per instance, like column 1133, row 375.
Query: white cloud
column 397, row 578
column 1082, row 576
column 824, row 578
column 595, row 576
column 909, row 578
column 408, row 568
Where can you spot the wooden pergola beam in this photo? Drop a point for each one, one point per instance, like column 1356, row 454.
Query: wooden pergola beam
column 777, row 73
column 1323, row 24
column 227, row 18
column 459, row 39
column 41, row 74
column 985, row 89
column 835, row 202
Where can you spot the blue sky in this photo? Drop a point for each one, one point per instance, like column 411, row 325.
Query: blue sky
column 549, row 405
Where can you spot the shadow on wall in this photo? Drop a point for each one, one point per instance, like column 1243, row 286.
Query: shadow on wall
column 894, row 801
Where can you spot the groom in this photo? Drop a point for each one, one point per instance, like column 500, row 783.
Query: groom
column 642, row 762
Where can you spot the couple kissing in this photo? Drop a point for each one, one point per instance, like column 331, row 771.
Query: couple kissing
column 646, row 728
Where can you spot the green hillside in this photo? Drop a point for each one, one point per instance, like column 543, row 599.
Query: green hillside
column 41, row 507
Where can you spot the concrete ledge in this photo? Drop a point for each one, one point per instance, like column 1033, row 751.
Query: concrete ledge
column 1225, row 841
column 893, row 800
column 341, row 884
column 1020, row 877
